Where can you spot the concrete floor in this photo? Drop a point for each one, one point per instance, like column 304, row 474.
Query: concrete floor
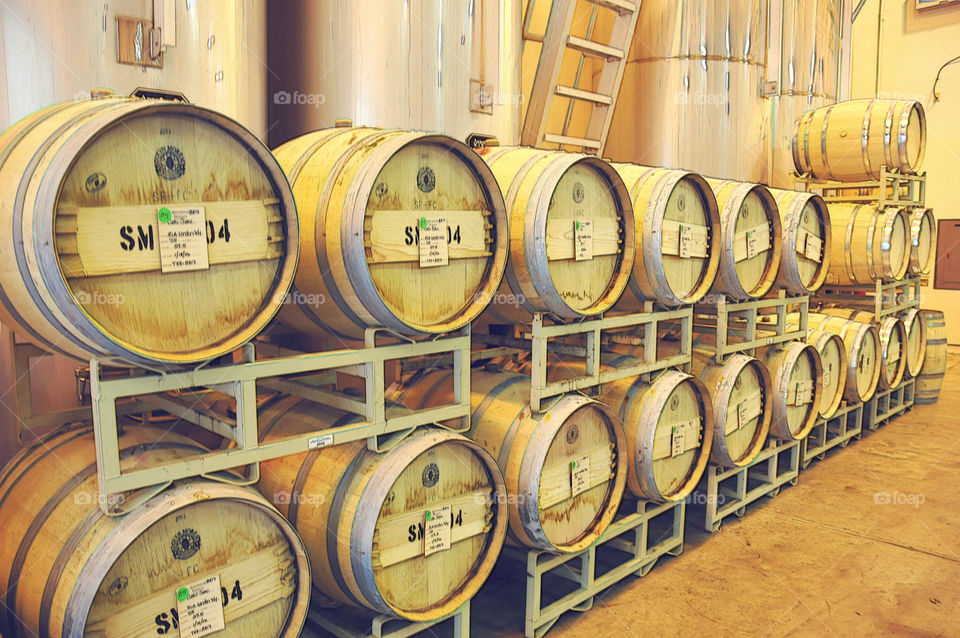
column 822, row 558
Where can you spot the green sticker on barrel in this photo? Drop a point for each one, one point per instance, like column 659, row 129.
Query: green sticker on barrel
column 423, row 223
column 576, row 225
column 165, row 215
column 182, row 594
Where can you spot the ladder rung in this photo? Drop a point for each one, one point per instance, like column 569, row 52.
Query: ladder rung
column 590, row 47
column 579, row 94
column 533, row 37
column 571, row 141
column 620, row 6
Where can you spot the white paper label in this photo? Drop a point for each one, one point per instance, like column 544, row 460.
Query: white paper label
column 583, row 239
column 320, row 441
column 183, row 239
column 752, row 244
column 580, row 475
column 826, row 377
column 199, row 608
column 747, row 409
column 436, row 530
column 741, row 414
column 686, row 241
column 679, row 441
column 434, row 250
column 804, row 393
column 813, row 248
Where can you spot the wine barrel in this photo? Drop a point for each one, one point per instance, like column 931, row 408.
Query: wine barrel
column 850, row 141
column 565, row 468
column 750, row 239
column 915, row 324
column 90, row 265
column 677, row 236
column 862, row 341
column 401, row 229
column 668, row 423
column 930, row 379
column 365, row 517
column 796, row 373
column 69, row 570
column 923, row 240
column 868, row 244
column 741, row 390
column 807, row 235
column 833, row 362
column 572, row 234
column 893, row 343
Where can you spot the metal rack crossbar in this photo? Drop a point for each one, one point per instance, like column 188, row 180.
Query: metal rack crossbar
column 747, row 320
column 881, row 298
column 538, row 340
column 888, row 404
column 845, row 425
column 342, row 623
column 240, row 380
column 893, row 189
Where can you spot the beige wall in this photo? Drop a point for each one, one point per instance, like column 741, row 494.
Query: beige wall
column 913, row 45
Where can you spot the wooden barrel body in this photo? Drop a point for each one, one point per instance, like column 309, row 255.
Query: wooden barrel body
column 750, row 239
column 678, row 249
column 147, row 230
column 68, row 570
column 862, row 341
column 405, row 230
column 850, row 141
column 833, row 362
column 572, row 233
column 796, row 374
column 807, row 236
column 868, row 244
column 565, row 468
column 893, row 343
column 930, row 380
column 365, row 518
column 923, row 241
column 915, row 325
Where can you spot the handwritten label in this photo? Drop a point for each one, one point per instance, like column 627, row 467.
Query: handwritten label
column 684, row 437
column 747, row 409
column 750, row 243
column 434, row 250
column 183, row 239
column 200, row 608
column 813, row 248
column 583, row 239
column 804, row 392
column 580, row 475
column 317, row 442
column 686, row 241
column 826, row 376
column 436, row 530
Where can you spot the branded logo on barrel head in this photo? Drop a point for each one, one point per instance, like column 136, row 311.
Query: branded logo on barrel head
column 431, row 474
column 380, row 189
column 118, row 586
column 681, row 203
column 573, row 433
column 95, row 182
column 185, row 544
column 169, row 163
column 578, row 192
column 426, row 179
column 675, row 403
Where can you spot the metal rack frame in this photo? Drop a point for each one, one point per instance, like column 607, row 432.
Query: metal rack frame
column 881, row 298
column 745, row 317
column 892, row 189
column 889, row 404
column 337, row 622
column 240, row 380
column 635, row 557
column 767, row 473
column 538, row 343
column 845, row 425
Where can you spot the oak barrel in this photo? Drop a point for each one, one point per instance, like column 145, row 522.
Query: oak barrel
column 915, row 324
column 796, row 374
column 807, row 235
column 833, row 362
column 92, row 194
column 565, row 468
column 868, row 244
column 678, row 224
column 893, row 343
column 401, row 229
column 862, row 342
column 750, row 239
column 923, row 241
column 572, row 233
column 66, row 569
column 850, row 141
column 365, row 517
column 930, row 380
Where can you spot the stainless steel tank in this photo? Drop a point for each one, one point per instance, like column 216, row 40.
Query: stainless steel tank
column 57, row 50
column 692, row 92
column 443, row 65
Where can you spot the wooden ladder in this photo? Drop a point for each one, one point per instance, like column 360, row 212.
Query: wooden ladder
column 557, row 40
